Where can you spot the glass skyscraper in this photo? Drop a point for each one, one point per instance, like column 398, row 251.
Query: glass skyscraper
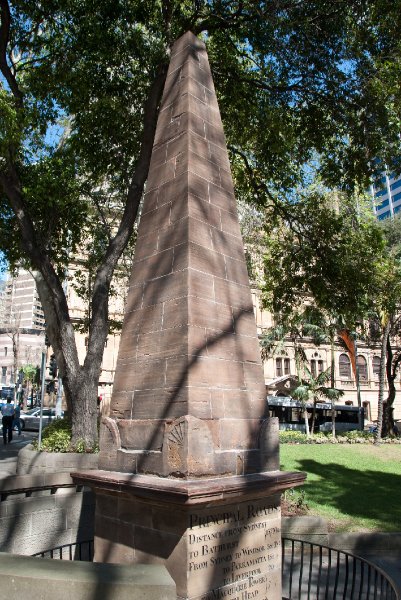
column 386, row 194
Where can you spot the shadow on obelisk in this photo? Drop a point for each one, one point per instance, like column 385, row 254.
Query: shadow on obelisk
column 189, row 464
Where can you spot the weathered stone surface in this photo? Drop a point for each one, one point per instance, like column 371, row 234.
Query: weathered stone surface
column 210, row 551
column 39, row 578
column 189, row 464
column 189, row 324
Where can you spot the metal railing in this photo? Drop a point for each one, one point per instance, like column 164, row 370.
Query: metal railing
column 322, row 573
column 77, row 551
column 310, row 571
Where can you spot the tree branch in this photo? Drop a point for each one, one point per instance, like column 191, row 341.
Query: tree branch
column 262, row 188
column 118, row 243
column 40, row 261
column 4, row 39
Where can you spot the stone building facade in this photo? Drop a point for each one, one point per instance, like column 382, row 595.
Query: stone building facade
column 280, row 370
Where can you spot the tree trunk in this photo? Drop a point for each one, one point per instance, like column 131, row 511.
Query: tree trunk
column 388, row 411
column 84, row 409
column 306, row 422
column 313, row 416
column 332, row 385
column 382, row 376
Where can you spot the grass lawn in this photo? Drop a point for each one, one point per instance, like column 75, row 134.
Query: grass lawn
column 355, row 487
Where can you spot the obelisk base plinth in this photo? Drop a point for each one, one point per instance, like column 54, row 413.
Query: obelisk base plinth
column 218, row 537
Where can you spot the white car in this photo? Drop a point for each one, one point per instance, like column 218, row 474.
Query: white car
column 30, row 419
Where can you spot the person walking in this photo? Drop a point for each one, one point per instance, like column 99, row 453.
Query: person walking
column 7, row 410
column 16, row 421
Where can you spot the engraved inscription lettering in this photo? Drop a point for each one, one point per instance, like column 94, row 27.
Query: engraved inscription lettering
column 242, row 547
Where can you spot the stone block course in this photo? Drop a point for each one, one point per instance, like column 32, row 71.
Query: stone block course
column 153, row 220
column 164, row 289
column 232, row 294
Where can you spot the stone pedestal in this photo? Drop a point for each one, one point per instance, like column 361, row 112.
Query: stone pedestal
column 189, row 457
column 218, row 538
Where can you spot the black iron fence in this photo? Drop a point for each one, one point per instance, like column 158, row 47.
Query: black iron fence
column 77, row 551
column 312, row 571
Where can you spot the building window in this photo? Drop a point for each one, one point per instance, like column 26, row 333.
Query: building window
column 279, row 367
column 313, row 368
column 362, row 368
column 287, row 369
column 5, row 350
column 383, row 216
column 376, row 367
column 368, row 414
column 320, row 366
column 344, row 364
column 3, row 374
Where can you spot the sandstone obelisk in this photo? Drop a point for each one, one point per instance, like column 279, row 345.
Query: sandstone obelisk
column 189, row 460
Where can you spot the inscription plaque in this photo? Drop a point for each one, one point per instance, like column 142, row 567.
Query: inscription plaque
column 235, row 552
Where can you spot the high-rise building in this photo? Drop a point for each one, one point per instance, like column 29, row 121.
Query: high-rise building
column 386, row 194
column 20, row 304
column 22, row 326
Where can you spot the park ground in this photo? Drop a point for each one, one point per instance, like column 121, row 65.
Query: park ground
column 355, row 487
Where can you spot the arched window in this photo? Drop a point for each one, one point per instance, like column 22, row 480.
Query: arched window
column 362, row 368
column 376, row 366
column 344, row 364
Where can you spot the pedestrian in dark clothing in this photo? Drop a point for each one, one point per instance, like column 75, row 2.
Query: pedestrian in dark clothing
column 17, row 414
column 7, row 411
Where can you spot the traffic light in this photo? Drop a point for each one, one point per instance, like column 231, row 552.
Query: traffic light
column 53, row 366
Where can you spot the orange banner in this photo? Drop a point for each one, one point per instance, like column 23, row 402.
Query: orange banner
column 349, row 342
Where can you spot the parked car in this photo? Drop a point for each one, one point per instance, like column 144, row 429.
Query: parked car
column 30, row 419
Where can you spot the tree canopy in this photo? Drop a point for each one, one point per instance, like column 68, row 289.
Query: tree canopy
column 302, row 87
column 327, row 254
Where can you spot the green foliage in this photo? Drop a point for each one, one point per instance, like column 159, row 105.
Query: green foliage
column 324, row 254
column 29, row 372
column 356, row 436
column 344, row 437
column 295, row 502
column 293, row 437
column 56, row 437
column 294, row 82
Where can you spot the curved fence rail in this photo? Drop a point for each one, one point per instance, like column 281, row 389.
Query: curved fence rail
column 77, row 551
column 322, row 573
column 310, row 571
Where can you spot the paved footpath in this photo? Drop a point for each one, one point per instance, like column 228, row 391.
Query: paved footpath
column 382, row 549
column 9, row 452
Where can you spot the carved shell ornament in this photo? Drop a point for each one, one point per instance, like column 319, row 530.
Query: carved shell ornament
column 177, row 435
